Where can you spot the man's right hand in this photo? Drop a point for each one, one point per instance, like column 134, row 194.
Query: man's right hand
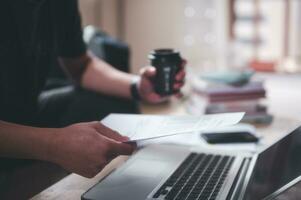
column 86, row 148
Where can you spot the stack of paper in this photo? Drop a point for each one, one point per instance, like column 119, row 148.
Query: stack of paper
column 146, row 127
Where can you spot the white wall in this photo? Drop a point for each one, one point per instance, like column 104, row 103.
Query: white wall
column 101, row 13
column 150, row 24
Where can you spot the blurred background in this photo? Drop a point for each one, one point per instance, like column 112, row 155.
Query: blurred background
column 210, row 33
column 256, row 39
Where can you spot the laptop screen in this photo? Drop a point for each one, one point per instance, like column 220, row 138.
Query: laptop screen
column 276, row 166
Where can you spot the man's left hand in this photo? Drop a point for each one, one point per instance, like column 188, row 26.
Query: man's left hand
column 146, row 84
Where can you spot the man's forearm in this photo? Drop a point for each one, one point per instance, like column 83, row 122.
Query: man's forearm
column 101, row 77
column 17, row 141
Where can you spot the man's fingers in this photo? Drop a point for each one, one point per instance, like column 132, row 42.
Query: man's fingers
column 117, row 148
column 179, row 95
column 148, row 72
column 183, row 64
column 178, row 85
column 155, row 98
column 109, row 133
column 180, row 75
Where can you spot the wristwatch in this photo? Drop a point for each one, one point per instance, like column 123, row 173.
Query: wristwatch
column 134, row 90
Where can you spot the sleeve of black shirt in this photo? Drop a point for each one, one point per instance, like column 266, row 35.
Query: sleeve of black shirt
column 69, row 31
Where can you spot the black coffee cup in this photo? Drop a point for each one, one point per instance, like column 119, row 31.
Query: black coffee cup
column 167, row 63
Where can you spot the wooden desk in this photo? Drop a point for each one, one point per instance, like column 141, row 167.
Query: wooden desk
column 284, row 108
column 73, row 186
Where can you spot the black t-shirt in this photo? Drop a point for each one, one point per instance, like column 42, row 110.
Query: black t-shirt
column 33, row 34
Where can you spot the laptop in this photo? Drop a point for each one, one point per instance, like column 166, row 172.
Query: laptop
column 173, row 172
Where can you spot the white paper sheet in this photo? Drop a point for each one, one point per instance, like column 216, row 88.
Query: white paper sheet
column 145, row 127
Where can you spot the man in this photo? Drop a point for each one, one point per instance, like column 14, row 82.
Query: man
column 34, row 33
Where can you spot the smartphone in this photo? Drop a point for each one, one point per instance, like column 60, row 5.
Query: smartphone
column 230, row 137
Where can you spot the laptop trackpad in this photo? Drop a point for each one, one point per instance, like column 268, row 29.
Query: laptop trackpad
column 139, row 171
column 144, row 168
column 134, row 181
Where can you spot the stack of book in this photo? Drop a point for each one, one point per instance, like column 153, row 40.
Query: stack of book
column 212, row 98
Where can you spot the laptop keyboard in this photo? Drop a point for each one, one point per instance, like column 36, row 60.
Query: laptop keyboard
column 200, row 176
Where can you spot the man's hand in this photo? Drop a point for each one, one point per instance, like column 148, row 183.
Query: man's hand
column 86, row 148
column 146, row 85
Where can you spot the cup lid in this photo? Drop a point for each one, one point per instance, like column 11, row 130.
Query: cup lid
column 163, row 52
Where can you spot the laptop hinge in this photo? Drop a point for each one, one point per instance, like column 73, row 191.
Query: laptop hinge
column 239, row 180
